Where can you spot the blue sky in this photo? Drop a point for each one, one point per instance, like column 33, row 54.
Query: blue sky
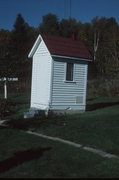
column 33, row 10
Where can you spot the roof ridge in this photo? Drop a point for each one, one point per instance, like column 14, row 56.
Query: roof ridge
column 62, row 37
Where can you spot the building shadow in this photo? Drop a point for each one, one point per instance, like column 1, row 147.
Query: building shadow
column 21, row 157
column 92, row 107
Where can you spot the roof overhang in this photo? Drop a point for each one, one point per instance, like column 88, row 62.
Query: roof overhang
column 38, row 41
column 69, row 57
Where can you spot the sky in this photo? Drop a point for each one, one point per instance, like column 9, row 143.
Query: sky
column 33, row 10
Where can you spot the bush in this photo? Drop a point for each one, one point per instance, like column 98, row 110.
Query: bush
column 37, row 121
column 103, row 87
column 6, row 107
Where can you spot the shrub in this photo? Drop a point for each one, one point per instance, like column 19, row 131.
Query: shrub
column 103, row 87
column 6, row 107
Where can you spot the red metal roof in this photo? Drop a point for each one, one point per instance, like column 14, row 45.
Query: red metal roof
column 66, row 47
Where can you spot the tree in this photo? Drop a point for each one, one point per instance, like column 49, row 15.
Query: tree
column 5, row 37
column 112, row 50
column 21, row 40
column 98, row 30
column 68, row 26
column 49, row 25
column 106, row 46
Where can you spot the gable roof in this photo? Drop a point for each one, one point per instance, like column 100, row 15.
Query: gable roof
column 62, row 47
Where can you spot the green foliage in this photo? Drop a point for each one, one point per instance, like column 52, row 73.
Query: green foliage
column 103, row 87
column 68, row 26
column 107, row 56
column 5, row 39
column 21, row 40
column 107, row 30
column 6, row 108
column 15, row 106
column 49, row 25
column 15, row 45
column 36, row 122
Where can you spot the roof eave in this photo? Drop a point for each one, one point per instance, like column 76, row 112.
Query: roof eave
column 70, row 57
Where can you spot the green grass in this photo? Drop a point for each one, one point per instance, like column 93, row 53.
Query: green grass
column 96, row 100
column 20, row 104
column 98, row 128
column 61, row 161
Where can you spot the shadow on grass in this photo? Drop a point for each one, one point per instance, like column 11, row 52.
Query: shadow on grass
column 21, row 157
column 92, row 107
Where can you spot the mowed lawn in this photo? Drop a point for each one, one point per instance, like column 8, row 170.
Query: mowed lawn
column 27, row 156
column 97, row 127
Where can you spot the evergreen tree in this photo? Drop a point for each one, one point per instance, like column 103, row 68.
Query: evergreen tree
column 101, row 37
column 49, row 25
column 21, row 40
column 68, row 26
column 5, row 37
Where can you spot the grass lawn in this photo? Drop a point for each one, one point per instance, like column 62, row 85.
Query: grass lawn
column 27, row 156
column 18, row 104
column 98, row 127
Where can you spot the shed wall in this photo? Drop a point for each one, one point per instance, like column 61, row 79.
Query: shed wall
column 69, row 95
column 41, row 77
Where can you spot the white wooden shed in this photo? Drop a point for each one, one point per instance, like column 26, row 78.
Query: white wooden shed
column 59, row 74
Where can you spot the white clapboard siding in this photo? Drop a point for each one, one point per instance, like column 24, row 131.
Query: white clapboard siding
column 50, row 90
column 41, row 76
column 69, row 94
